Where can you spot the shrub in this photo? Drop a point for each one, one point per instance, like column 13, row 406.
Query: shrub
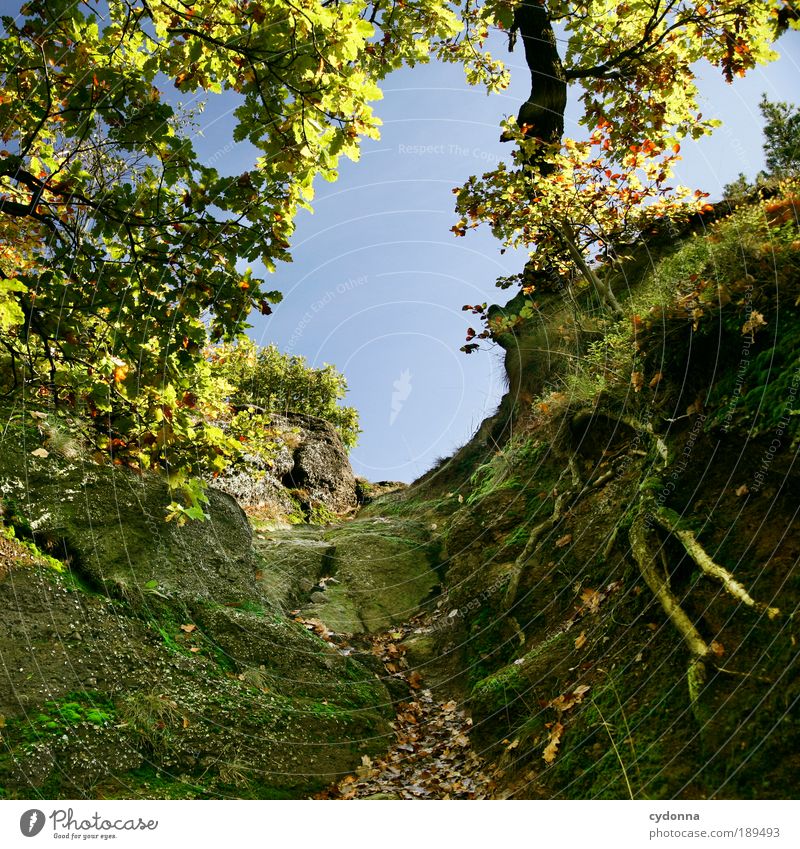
column 265, row 380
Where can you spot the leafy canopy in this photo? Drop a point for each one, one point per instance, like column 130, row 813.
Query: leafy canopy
column 573, row 202
column 121, row 252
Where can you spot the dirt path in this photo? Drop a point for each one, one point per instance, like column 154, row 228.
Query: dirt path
column 432, row 756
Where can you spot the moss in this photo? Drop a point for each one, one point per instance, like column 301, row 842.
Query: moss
column 493, row 696
column 624, row 742
column 510, row 469
column 149, row 782
column 762, row 393
column 41, row 557
column 321, row 515
column 56, row 718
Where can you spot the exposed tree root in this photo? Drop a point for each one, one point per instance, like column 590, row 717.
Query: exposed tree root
column 651, row 573
column 669, row 522
column 700, row 650
column 643, row 430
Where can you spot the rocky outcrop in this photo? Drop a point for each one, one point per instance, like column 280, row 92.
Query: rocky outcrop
column 110, row 526
column 145, row 659
column 310, row 473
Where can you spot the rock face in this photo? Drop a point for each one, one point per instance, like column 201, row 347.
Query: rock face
column 362, row 576
column 159, row 662
column 111, row 525
column 311, row 471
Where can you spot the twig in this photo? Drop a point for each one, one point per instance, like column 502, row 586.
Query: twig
column 536, row 534
column 614, row 746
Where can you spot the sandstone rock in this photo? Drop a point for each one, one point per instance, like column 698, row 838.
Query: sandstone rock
column 384, row 568
column 311, row 471
column 177, row 636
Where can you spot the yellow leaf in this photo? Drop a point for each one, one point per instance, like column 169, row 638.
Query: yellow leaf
column 551, row 749
column 753, row 324
column 591, row 599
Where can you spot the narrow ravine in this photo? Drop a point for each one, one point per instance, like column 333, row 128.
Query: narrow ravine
column 432, row 756
column 369, row 574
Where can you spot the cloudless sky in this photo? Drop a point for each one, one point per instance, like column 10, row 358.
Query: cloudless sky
column 378, row 280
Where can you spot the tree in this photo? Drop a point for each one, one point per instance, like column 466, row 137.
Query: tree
column 739, row 189
column 572, row 202
column 122, row 252
column 265, row 380
column 781, row 149
column 781, row 136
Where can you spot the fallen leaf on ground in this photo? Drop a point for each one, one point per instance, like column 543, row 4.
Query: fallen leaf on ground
column 569, row 700
column 415, row 680
column 591, row 600
column 753, row 324
column 551, row 749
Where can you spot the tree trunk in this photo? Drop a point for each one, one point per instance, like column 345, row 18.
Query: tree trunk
column 542, row 114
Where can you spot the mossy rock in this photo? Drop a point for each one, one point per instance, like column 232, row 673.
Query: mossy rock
column 500, row 701
column 292, row 562
column 170, row 619
column 214, row 717
column 109, row 523
column 385, row 570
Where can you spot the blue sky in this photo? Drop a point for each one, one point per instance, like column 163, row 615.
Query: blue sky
column 378, row 280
